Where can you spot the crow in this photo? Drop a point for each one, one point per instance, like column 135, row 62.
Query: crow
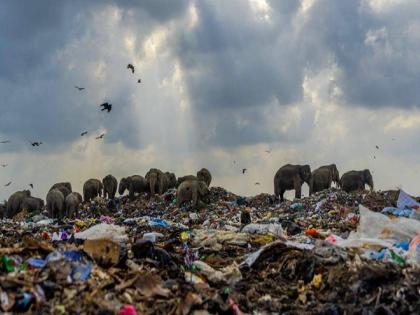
column 5, row 141
column 106, row 106
column 79, row 88
column 131, row 67
column 376, row 146
column 84, row 133
column 36, row 144
column 139, row 81
column 100, row 137
column 31, row 185
column 8, row 184
column 3, row 165
column 244, row 170
column 257, row 183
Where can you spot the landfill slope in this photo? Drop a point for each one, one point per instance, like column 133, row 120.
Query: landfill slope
column 235, row 255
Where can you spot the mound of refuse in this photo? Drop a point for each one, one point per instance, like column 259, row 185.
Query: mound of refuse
column 329, row 253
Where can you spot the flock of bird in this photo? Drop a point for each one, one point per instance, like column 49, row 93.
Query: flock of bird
column 104, row 107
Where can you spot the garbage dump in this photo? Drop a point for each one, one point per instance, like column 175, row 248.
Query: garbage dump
column 330, row 253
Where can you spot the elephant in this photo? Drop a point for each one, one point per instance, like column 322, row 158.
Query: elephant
column 323, row 177
column 72, row 203
column 195, row 190
column 32, row 204
column 110, row 184
column 356, row 180
column 172, row 179
column 55, row 203
column 184, row 178
column 157, row 180
column 290, row 177
column 91, row 189
column 14, row 204
column 134, row 184
column 64, row 187
column 205, row 176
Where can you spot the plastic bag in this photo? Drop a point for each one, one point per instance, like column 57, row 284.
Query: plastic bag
column 255, row 228
column 99, row 231
column 377, row 230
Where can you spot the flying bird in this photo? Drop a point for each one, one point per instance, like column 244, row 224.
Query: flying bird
column 139, row 81
column 31, row 185
column 36, row 144
column 257, row 183
column 268, row 151
column 79, row 88
column 131, row 67
column 106, row 106
column 84, row 133
column 8, row 184
column 374, row 157
column 376, row 146
column 244, row 170
column 5, row 141
column 100, row 137
column 3, row 165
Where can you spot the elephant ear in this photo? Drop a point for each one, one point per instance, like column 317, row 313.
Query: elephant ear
column 366, row 174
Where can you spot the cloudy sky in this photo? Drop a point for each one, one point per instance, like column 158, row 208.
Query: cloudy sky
column 310, row 81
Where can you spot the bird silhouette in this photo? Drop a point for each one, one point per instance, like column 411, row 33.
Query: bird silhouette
column 36, row 144
column 139, row 81
column 79, row 88
column 3, row 165
column 268, row 151
column 131, row 67
column 374, row 157
column 257, row 183
column 106, row 106
column 8, row 184
column 377, row 146
column 244, row 170
column 5, row 141
column 31, row 185
column 84, row 133
column 100, row 137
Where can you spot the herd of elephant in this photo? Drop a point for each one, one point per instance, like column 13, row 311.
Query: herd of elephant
column 63, row 202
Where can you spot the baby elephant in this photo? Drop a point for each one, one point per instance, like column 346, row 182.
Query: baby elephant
column 194, row 190
column 134, row 184
column 91, row 189
column 110, row 186
column 72, row 203
column 32, row 204
column 55, row 203
column 205, row 176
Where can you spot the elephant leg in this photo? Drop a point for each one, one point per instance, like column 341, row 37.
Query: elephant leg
column 298, row 188
column 195, row 197
column 311, row 187
column 282, row 191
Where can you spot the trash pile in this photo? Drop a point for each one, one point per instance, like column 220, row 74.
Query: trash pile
column 329, row 253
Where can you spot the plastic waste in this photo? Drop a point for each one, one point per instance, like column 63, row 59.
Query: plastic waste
column 44, row 222
column 398, row 212
column 297, row 205
column 405, row 201
column 107, row 231
column 255, row 228
column 23, row 301
column 152, row 236
column 311, row 232
column 127, row 310
column 377, row 230
column 159, row 222
column 37, row 263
